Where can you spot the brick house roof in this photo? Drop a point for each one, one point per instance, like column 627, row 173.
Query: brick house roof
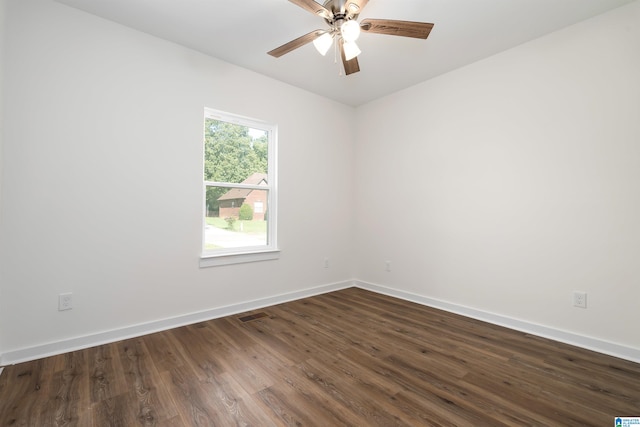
column 242, row 193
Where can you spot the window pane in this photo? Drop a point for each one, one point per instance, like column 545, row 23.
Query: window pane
column 235, row 223
column 239, row 163
column 233, row 152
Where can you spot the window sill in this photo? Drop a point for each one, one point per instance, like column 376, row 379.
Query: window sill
column 239, row 258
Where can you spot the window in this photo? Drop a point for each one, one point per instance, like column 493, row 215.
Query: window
column 239, row 190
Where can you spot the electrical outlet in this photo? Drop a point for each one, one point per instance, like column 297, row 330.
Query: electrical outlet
column 387, row 266
column 326, row 263
column 580, row 299
column 65, row 301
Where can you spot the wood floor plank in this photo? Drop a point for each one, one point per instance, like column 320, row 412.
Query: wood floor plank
column 346, row 358
column 239, row 404
column 295, row 401
column 248, row 373
column 71, row 388
column 27, row 391
column 107, row 379
column 357, row 399
column 201, row 348
column 193, row 408
column 163, row 351
column 149, row 398
column 283, row 413
column 114, row 411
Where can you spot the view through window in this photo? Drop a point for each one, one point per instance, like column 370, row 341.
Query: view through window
column 239, row 183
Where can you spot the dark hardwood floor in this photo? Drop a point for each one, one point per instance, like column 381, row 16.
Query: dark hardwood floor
column 350, row 357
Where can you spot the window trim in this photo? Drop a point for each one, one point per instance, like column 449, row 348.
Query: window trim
column 239, row 258
column 245, row 254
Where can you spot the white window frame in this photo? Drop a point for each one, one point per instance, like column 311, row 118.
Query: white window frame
column 270, row 251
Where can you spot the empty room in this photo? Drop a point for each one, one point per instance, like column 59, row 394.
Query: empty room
column 343, row 212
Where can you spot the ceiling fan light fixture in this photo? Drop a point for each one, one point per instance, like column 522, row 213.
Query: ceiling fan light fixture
column 323, row 43
column 351, row 50
column 344, row 29
column 350, row 31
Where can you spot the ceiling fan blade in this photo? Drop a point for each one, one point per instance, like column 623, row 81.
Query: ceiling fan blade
column 354, row 7
column 313, row 7
column 294, row 44
column 418, row 30
column 350, row 66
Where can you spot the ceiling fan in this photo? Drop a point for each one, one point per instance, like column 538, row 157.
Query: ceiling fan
column 344, row 30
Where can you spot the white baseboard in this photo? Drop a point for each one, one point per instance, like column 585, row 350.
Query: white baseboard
column 78, row 343
column 589, row 343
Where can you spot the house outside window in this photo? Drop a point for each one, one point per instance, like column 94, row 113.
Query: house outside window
column 229, row 203
column 239, row 190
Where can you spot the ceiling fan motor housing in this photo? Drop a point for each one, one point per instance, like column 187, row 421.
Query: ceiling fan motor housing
column 340, row 11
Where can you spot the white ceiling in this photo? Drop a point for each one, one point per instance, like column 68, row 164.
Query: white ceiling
column 241, row 32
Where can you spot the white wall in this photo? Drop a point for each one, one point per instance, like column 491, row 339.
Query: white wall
column 508, row 184
column 103, row 174
column 2, row 27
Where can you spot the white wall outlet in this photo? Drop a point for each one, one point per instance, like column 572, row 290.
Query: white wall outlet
column 65, row 301
column 326, row 263
column 387, row 266
column 580, row 299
